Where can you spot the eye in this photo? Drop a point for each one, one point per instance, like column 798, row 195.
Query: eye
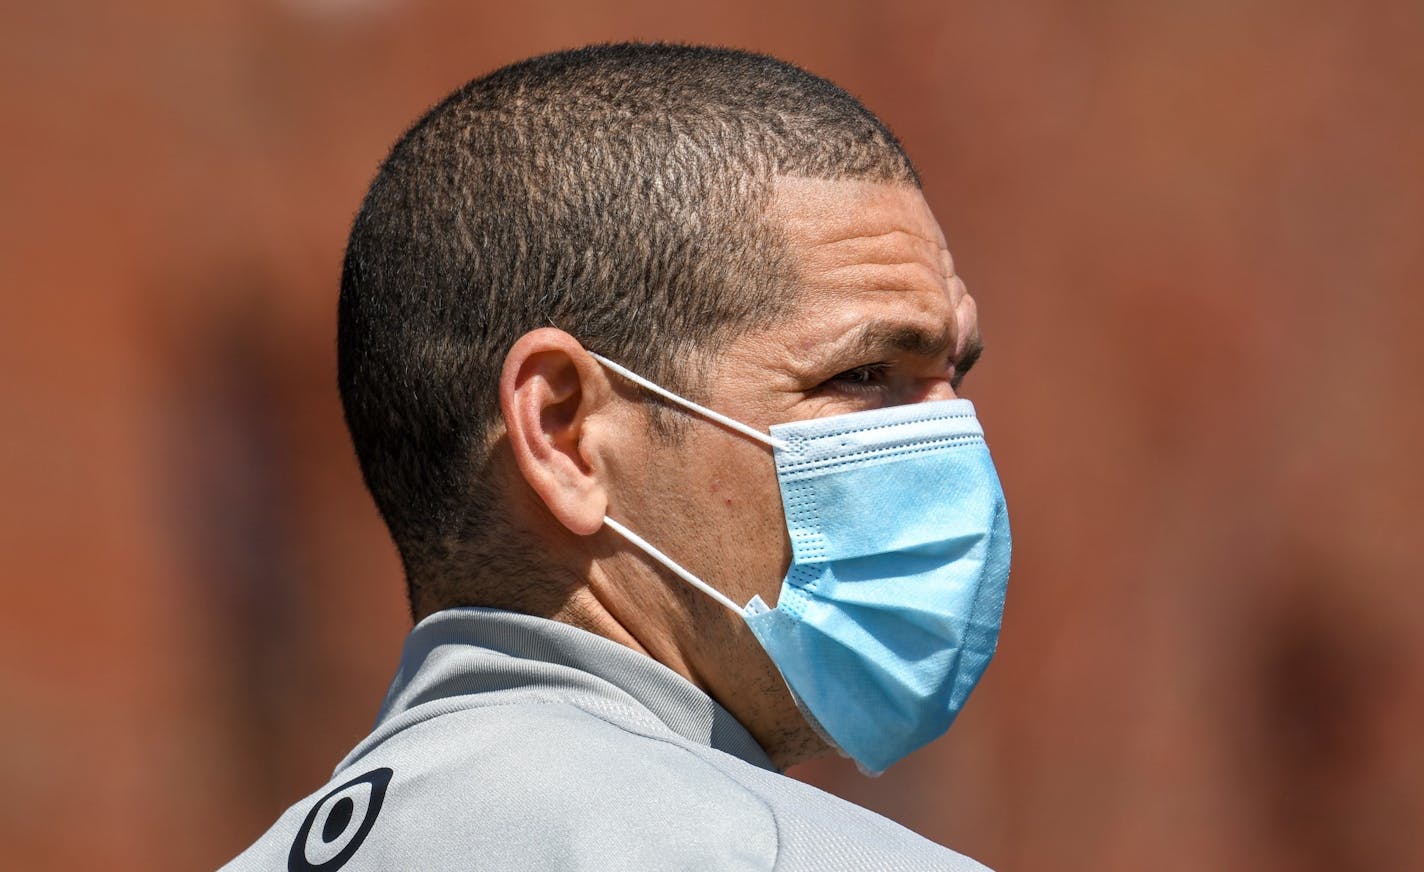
column 960, row 367
column 862, row 378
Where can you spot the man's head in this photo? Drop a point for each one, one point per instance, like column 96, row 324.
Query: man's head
column 728, row 225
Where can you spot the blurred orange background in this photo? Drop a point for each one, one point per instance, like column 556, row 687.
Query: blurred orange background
column 1196, row 235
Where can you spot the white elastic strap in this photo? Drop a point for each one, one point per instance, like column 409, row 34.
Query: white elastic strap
column 689, row 404
column 642, row 544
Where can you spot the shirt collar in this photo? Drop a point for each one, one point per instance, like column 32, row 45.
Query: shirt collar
column 470, row 651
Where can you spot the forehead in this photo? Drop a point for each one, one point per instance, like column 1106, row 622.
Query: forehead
column 864, row 250
column 822, row 212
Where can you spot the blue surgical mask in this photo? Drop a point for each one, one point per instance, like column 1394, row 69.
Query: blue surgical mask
column 890, row 610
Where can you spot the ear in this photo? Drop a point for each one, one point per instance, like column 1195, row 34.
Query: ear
column 547, row 390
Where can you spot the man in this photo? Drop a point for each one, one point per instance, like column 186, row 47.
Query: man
column 649, row 355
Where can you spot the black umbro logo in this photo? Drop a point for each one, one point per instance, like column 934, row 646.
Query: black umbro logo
column 338, row 823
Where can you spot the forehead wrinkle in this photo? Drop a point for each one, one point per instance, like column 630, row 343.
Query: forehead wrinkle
column 873, row 238
column 888, row 248
column 900, row 277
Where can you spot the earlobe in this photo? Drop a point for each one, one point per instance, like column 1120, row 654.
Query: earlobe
column 547, row 390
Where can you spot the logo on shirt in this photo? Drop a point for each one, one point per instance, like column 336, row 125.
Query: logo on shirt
column 339, row 822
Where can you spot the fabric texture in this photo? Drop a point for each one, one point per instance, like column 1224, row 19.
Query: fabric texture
column 511, row 742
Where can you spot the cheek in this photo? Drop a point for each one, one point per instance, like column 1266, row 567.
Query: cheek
column 750, row 529
column 712, row 503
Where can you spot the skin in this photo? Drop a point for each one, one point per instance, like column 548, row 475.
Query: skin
column 879, row 319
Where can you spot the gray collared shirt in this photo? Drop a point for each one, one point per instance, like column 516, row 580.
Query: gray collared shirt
column 512, row 742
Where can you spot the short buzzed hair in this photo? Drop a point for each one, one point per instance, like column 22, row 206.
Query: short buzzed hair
column 618, row 192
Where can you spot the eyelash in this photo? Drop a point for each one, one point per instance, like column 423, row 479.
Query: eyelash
column 850, row 380
column 866, row 378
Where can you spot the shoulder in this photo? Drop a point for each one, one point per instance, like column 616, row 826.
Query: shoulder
column 620, row 794
column 818, row 830
column 532, row 786
column 555, row 786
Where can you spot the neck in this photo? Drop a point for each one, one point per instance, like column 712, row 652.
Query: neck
column 593, row 602
column 615, row 596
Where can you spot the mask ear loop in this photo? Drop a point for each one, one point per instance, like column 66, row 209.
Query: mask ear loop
column 638, row 541
column 643, row 545
column 705, row 412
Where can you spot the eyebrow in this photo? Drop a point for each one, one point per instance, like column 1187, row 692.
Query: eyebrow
column 965, row 362
column 880, row 336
